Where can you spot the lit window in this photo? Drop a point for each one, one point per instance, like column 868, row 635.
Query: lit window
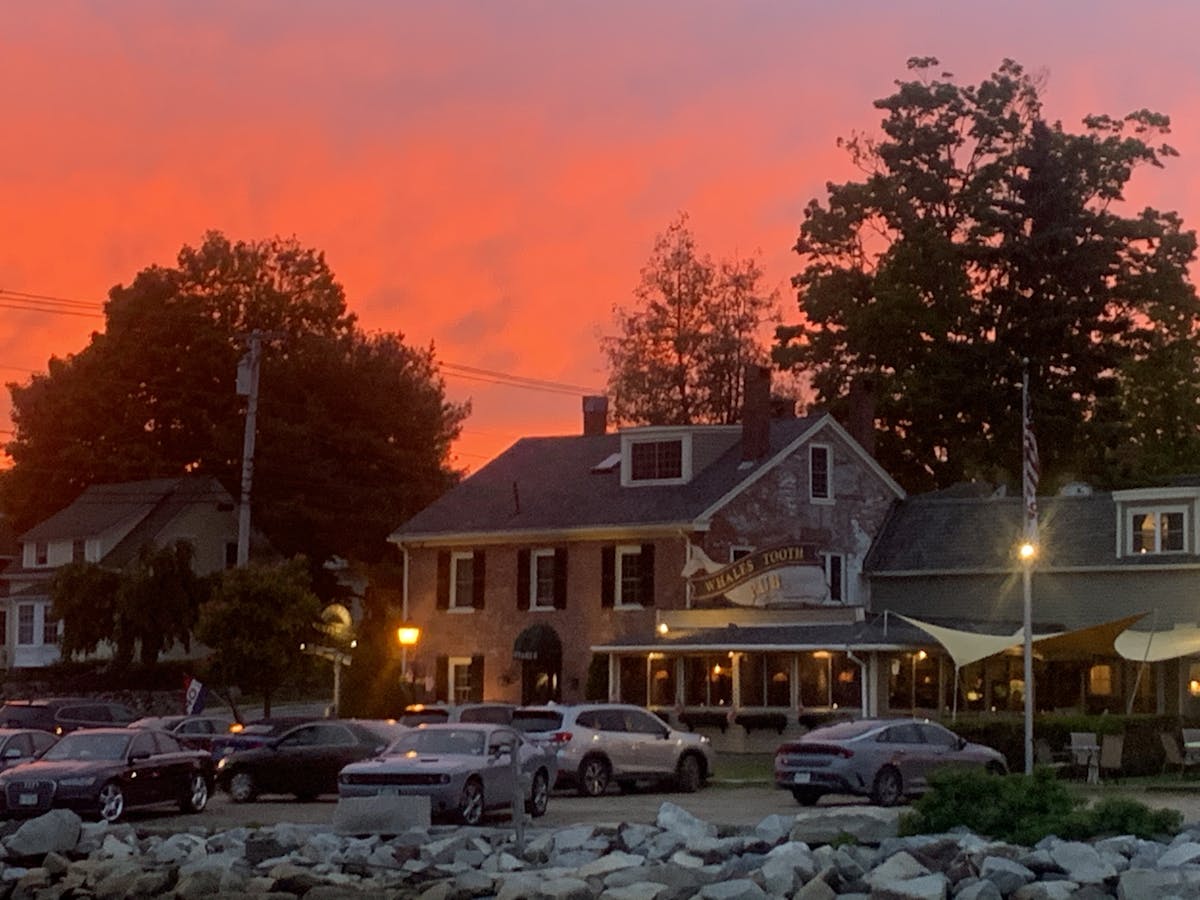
column 656, row 460
column 460, row 679
column 462, row 581
column 1157, row 531
column 1100, row 680
column 820, row 475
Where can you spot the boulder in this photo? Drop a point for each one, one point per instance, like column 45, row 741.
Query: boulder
column 57, row 830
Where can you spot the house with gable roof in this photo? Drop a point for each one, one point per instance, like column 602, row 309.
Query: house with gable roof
column 109, row 524
column 1114, row 578
column 712, row 568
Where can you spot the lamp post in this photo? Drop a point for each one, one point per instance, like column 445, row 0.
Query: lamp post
column 1027, row 552
column 408, row 635
column 917, row 657
column 339, row 658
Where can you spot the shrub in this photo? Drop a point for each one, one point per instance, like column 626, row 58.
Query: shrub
column 1024, row 809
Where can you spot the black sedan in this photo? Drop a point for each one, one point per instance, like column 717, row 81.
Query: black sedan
column 245, row 736
column 304, row 761
column 104, row 771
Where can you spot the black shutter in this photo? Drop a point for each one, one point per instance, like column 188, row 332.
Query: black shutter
column 443, row 579
column 441, row 679
column 477, row 678
column 560, row 578
column 522, row 579
column 608, row 575
column 477, row 579
column 646, row 564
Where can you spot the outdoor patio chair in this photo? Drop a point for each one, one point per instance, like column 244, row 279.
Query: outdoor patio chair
column 1045, row 757
column 1191, row 745
column 1085, row 754
column 1112, row 747
column 1172, row 754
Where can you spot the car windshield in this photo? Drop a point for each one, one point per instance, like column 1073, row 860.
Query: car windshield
column 89, row 745
column 442, row 740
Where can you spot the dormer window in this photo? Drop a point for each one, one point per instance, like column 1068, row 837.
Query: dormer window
column 1157, row 530
column 656, row 460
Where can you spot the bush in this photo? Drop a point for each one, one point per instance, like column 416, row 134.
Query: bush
column 1024, row 809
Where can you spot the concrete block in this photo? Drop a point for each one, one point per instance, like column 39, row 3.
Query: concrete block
column 380, row 815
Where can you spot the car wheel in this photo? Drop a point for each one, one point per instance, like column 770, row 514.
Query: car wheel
column 539, row 794
column 242, row 788
column 888, row 789
column 196, row 797
column 689, row 774
column 806, row 796
column 593, row 776
column 995, row 768
column 111, row 802
column 470, row 805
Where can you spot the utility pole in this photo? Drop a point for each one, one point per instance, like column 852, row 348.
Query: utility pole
column 247, row 386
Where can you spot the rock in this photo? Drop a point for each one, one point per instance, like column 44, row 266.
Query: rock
column 738, row 889
column 679, row 821
column 980, row 889
column 179, row 848
column 786, row 866
column 1081, row 862
column 815, row 889
column 57, row 830
column 609, row 863
column 573, row 838
column 1005, row 874
column 1152, row 884
column 1048, row 890
column 864, row 824
column 639, row 890
column 899, row 867
column 774, row 828
column 924, row 887
column 564, row 889
column 1179, row 855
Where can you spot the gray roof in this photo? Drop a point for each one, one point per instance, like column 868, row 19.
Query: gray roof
column 548, row 483
column 940, row 532
column 151, row 503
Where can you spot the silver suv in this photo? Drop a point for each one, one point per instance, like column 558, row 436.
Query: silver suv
column 599, row 743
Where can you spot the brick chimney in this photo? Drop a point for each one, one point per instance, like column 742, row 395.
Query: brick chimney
column 756, row 413
column 861, row 424
column 595, row 415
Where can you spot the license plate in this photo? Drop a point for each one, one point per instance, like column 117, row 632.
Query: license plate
column 801, row 778
column 28, row 800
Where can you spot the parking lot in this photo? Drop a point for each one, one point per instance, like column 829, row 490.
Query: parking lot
column 720, row 804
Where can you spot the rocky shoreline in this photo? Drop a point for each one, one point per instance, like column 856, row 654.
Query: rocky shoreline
column 819, row 854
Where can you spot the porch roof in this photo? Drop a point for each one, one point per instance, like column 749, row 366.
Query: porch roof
column 865, row 636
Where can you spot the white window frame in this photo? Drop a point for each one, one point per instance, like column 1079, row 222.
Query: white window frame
column 452, row 603
column 812, row 483
column 452, row 687
column 32, row 624
column 41, row 554
column 1134, row 513
column 653, row 436
column 832, row 561
column 622, row 551
column 536, row 603
column 738, row 551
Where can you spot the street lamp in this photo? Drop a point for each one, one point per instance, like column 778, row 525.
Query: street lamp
column 408, row 635
column 1028, row 553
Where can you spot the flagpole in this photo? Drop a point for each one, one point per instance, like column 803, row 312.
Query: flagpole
column 1029, row 476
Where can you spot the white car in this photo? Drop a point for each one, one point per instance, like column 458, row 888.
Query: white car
column 599, row 743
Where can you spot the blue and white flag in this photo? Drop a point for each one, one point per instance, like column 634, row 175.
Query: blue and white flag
column 194, row 695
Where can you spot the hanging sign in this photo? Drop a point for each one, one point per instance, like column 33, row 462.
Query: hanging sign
column 786, row 575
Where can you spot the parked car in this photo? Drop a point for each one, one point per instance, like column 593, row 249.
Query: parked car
column 246, row 736
column 195, row 732
column 463, row 768
column 604, row 742
column 61, row 715
column 104, row 771
column 486, row 712
column 884, row 759
column 22, row 745
column 304, row 760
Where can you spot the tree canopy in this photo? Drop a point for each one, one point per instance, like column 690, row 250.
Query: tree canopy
column 687, row 338
column 255, row 621
column 354, row 429
column 981, row 235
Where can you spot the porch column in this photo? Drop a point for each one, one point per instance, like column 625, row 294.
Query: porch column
column 614, row 678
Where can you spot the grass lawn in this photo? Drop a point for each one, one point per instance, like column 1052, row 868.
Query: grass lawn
column 740, row 768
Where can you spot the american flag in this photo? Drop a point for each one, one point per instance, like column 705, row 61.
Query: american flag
column 1029, row 462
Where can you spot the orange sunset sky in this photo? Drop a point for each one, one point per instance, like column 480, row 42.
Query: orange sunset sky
column 489, row 176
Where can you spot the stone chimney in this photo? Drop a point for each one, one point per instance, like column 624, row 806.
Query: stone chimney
column 595, row 415
column 861, row 424
column 756, row 413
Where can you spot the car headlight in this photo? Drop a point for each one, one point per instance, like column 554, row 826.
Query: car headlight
column 222, row 762
column 79, row 781
column 704, row 739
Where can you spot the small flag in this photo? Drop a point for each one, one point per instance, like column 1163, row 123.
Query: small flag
column 1030, row 465
column 194, row 695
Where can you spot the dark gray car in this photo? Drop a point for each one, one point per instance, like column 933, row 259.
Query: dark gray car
column 884, row 759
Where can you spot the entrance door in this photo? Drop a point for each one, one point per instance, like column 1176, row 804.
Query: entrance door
column 541, row 682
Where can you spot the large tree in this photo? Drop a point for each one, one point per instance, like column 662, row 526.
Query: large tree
column 354, row 429
column 979, row 236
column 687, row 338
column 255, row 621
